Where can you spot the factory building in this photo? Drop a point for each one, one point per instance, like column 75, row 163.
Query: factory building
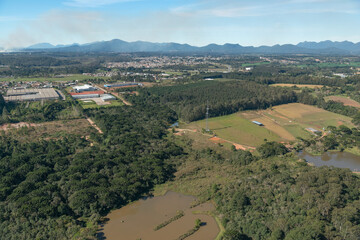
column 31, row 94
column 88, row 92
column 84, row 88
column 81, row 96
column 119, row 85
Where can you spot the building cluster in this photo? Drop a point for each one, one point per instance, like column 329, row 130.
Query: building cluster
column 102, row 74
column 88, row 91
column 160, row 61
column 32, row 94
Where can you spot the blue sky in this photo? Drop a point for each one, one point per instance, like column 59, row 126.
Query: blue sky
column 197, row 22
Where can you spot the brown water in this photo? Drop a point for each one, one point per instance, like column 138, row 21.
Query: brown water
column 137, row 220
column 336, row 159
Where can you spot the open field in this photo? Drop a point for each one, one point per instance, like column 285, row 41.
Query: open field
column 310, row 116
column 51, row 79
column 283, row 123
column 49, row 130
column 296, row 85
column 237, row 129
column 345, row 100
column 89, row 104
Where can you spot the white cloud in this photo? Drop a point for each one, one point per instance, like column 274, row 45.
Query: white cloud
column 93, row 3
column 59, row 27
column 237, row 9
column 10, row 18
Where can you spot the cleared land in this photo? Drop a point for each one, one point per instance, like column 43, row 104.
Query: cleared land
column 296, row 85
column 345, row 100
column 282, row 123
column 48, row 130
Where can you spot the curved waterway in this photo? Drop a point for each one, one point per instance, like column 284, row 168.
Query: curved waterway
column 335, row 159
column 138, row 220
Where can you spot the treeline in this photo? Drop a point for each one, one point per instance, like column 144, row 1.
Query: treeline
column 58, row 189
column 276, row 200
column 337, row 138
column 190, row 100
column 337, row 107
column 276, row 197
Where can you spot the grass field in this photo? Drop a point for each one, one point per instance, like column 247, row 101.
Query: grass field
column 345, row 100
column 51, row 79
column 296, row 85
column 238, row 129
column 283, row 123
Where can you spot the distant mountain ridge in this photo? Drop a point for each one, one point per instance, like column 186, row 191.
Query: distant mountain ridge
column 117, row 45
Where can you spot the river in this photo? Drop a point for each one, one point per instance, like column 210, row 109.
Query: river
column 335, row 159
column 137, row 220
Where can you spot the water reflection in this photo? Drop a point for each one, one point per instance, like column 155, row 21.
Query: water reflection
column 335, row 159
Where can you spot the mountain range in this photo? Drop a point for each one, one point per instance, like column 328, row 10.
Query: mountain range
column 116, row 45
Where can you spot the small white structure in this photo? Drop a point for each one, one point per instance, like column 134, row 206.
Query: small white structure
column 84, row 88
column 107, row 97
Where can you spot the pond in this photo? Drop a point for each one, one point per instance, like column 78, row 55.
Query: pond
column 138, row 220
column 335, row 159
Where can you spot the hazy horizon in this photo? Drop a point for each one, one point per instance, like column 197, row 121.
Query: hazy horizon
column 194, row 22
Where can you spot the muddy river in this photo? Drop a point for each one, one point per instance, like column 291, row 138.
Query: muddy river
column 336, row 159
column 138, row 220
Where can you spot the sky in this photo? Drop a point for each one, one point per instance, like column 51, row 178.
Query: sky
column 196, row 22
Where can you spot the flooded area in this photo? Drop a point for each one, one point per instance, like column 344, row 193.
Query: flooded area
column 336, row 159
column 138, row 220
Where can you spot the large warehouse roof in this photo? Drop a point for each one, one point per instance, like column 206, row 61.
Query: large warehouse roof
column 31, row 94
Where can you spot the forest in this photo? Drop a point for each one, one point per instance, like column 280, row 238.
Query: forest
column 59, row 188
column 273, row 195
column 190, row 100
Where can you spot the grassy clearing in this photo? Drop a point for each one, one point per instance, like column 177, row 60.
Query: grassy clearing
column 236, row 128
column 281, row 123
column 345, row 100
column 296, row 85
column 51, row 130
column 92, row 105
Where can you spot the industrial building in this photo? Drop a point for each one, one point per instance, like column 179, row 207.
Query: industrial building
column 107, row 97
column 119, row 85
column 81, row 96
column 31, row 94
column 88, row 92
column 84, row 88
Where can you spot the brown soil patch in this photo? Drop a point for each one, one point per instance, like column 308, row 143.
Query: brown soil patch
column 8, row 126
column 217, row 140
column 346, row 101
column 276, row 128
column 297, row 85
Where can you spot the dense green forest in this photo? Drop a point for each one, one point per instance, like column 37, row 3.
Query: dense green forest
column 275, row 195
column 277, row 200
column 190, row 100
column 57, row 189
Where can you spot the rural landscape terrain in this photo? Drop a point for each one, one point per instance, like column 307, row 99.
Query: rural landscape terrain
column 189, row 146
